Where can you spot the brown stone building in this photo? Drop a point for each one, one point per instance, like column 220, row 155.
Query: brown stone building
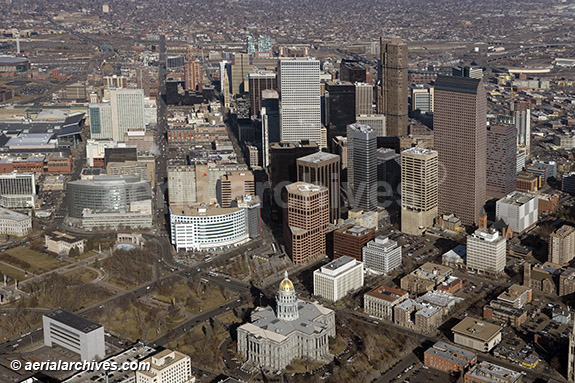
column 306, row 221
column 527, row 182
column 349, row 241
column 392, row 100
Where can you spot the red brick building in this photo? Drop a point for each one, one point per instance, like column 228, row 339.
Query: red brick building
column 448, row 358
column 350, row 241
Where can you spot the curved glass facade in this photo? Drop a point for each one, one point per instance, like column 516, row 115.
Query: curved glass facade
column 106, row 193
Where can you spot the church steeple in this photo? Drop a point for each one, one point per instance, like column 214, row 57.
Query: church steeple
column 287, row 300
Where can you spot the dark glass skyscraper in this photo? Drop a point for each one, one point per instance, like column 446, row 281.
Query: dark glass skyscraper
column 362, row 166
column 461, row 139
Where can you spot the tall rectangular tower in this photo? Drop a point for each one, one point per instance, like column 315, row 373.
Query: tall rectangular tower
column 240, row 68
column 300, row 117
column 419, row 189
column 306, row 221
column 523, row 124
column 363, row 98
column 501, row 160
column 128, row 113
column 193, row 74
column 322, row 169
column 393, row 87
column 362, row 166
column 259, row 82
column 100, row 121
column 461, row 139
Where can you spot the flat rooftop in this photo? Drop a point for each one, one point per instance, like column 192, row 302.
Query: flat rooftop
column 474, row 328
column 387, row 293
column 318, row 157
column 454, row 350
column 73, row 320
column 489, row 372
column 516, row 199
column 12, row 215
column 200, row 210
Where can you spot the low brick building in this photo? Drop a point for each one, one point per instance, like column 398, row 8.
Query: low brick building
column 448, row 358
column 548, row 203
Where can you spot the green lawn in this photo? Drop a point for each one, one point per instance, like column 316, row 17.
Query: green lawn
column 30, row 260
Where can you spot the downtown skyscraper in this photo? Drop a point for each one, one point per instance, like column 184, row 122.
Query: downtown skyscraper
column 362, row 166
column 300, row 110
column 461, row 140
column 501, row 160
column 419, row 184
column 393, row 86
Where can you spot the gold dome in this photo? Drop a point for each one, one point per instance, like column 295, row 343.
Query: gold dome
column 286, row 285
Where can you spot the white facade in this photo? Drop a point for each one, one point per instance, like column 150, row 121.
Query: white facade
column 519, row 210
column 100, row 120
column 334, row 280
column 208, row 228
column 128, row 112
column 300, row 110
column 363, row 99
column 13, row 223
column 17, row 190
column 422, row 99
column 167, row 367
column 297, row 330
column 523, row 126
column 62, row 243
column 376, row 121
column 74, row 333
column 521, row 159
column 382, row 255
column 486, row 251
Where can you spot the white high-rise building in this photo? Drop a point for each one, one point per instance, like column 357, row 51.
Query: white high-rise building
column 124, row 112
column 486, row 251
column 334, row 280
column 363, row 98
column 17, row 190
column 100, row 121
column 300, row 111
column 382, row 255
column 167, row 366
column 523, row 125
column 128, row 112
